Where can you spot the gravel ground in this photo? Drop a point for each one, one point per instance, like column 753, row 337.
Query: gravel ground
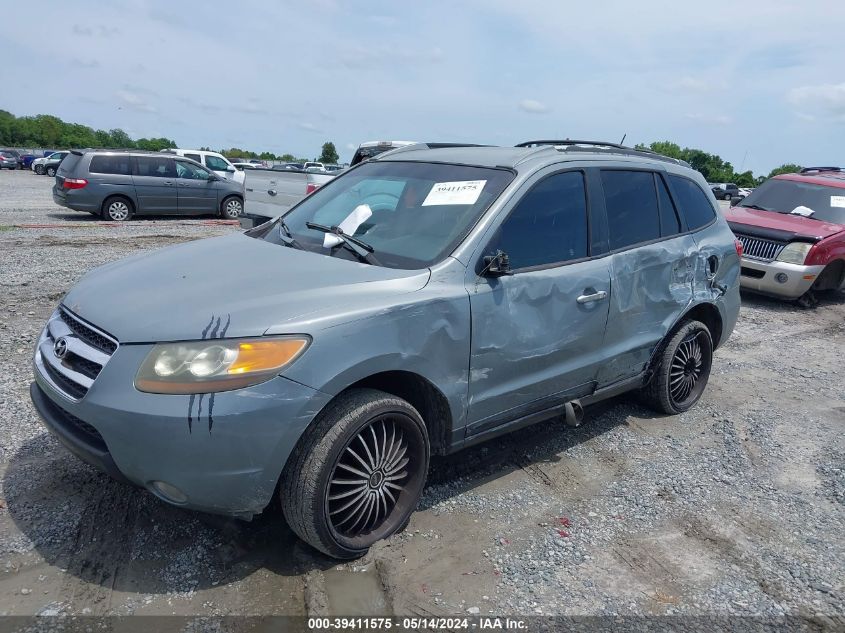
column 732, row 509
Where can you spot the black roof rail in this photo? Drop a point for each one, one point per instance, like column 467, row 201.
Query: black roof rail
column 570, row 142
column 442, row 145
column 807, row 170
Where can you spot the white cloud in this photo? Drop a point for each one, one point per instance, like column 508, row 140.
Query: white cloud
column 309, row 127
column 535, row 107
column 819, row 101
column 134, row 101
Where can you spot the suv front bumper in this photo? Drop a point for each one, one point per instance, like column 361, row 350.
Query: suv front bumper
column 779, row 279
column 223, row 455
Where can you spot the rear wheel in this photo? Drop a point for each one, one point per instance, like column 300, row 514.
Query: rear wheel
column 232, row 208
column 117, row 209
column 682, row 370
column 357, row 474
column 51, row 171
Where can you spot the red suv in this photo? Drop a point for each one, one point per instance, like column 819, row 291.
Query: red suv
column 792, row 229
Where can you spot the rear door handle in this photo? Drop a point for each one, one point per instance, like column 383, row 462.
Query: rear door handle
column 596, row 296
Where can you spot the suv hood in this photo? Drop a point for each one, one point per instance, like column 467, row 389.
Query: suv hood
column 176, row 293
column 797, row 225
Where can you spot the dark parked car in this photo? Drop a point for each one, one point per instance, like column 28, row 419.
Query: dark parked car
column 8, row 160
column 422, row 302
column 118, row 185
column 17, row 156
column 724, row 190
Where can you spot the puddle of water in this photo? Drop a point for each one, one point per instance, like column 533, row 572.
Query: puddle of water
column 355, row 593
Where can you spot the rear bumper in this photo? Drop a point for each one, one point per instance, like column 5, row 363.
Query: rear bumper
column 779, row 279
column 72, row 200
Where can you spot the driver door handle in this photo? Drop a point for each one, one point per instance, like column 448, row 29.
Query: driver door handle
column 596, row 296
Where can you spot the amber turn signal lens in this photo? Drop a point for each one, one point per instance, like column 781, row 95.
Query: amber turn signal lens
column 259, row 356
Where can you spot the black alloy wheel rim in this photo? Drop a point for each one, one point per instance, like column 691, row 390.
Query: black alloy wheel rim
column 376, row 480
column 690, row 368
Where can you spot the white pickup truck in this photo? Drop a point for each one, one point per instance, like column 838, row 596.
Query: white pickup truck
column 270, row 192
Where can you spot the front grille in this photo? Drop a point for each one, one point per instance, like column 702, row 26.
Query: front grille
column 71, row 353
column 64, row 383
column 758, row 248
column 87, row 334
column 751, row 272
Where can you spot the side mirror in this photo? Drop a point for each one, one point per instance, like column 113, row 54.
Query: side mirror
column 230, row 169
column 497, row 265
column 736, row 200
column 212, row 178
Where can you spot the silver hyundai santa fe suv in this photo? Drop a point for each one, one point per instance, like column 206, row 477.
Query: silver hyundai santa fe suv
column 423, row 301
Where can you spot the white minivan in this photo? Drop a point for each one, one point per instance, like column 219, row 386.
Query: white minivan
column 217, row 163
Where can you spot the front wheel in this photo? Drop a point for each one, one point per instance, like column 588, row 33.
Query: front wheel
column 39, row 169
column 357, row 474
column 682, row 370
column 232, row 208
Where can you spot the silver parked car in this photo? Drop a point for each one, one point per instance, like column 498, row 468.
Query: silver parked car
column 421, row 302
column 118, row 185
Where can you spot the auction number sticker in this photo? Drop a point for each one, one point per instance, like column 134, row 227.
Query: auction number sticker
column 457, row 192
column 837, row 201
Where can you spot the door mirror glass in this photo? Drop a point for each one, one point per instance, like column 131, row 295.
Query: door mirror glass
column 735, row 200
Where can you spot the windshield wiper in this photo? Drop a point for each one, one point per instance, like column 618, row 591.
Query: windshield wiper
column 754, row 206
column 286, row 236
column 363, row 250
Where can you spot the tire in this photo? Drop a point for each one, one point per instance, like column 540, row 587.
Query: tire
column 117, row 209
column 39, row 169
column 682, row 370
column 232, row 208
column 51, row 171
column 367, row 450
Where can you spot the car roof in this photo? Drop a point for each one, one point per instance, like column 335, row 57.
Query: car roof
column 511, row 157
column 827, row 176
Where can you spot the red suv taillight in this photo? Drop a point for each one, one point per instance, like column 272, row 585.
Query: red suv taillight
column 74, row 183
column 311, row 188
column 738, row 246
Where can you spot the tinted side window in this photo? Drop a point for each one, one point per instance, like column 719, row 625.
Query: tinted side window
column 548, row 225
column 669, row 222
column 111, row 165
column 159, row 166
column 195, row 157
column 695, row 206
column 632, row 212
column 215, row 163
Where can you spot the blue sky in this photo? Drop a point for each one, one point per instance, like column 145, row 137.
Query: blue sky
column 759, row 82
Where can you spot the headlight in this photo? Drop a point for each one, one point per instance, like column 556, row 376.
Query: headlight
column 795, row 252
column 216, row 364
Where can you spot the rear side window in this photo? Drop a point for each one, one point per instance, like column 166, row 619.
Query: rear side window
column 632, row 211
column 548, row 225
column 695, row 206
column 216, row 164
column 195, row 157
column 159, row 166
column 111, row 165
column 669, row 222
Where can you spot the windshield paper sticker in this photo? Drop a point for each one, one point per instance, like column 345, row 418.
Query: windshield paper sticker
column 458, row 192
column 350, row 224
column 837, row 201
column 802, row 210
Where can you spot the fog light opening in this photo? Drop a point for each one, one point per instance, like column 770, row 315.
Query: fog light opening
column 781, row 278
column 169, row 492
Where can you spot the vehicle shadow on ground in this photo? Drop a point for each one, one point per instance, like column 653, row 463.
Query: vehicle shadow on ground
column 825, row 298
column 82, row 218
column 125, row 539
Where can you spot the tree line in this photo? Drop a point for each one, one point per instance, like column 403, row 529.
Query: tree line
column 712, row 166
column 50, row 132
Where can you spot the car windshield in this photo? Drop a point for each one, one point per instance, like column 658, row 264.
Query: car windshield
column 412, row 214
column 818, row 202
